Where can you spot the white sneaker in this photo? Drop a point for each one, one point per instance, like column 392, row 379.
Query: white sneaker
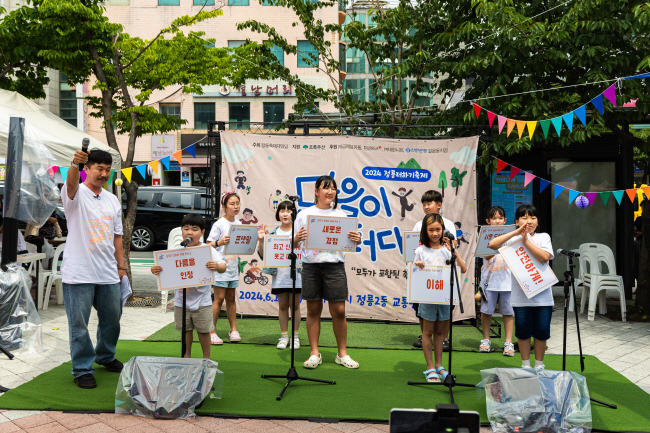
column 539, row 368
column 283, row 343
column 296, row 343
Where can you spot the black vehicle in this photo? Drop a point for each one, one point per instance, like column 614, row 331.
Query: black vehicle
column 161, row 209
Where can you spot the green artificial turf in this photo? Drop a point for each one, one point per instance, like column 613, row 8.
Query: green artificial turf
column 364, row 335
column 365, row 394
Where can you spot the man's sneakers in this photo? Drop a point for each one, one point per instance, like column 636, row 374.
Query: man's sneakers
column 86, row 381
column 114, row 366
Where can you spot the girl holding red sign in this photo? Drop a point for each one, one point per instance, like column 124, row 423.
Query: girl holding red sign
column 434, row 316
column 532, row 315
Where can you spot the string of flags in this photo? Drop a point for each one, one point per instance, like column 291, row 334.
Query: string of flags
column 573, row 194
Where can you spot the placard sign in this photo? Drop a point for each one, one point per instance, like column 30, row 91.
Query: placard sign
column 486, row 234
column 276, row 252
column 533, row 276
column 430, row 285
column 410, row 241
column 243, row 240
column 330, row 233
column 184, row 267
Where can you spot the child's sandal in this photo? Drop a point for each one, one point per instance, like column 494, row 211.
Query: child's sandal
column 432, row 376
column 486, row 346
column 508, row 349
column 442, row 372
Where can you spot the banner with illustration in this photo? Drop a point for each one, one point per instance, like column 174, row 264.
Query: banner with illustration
column 380, row 182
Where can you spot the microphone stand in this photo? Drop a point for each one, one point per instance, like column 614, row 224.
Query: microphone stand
column 292, row 374
column 450, row 380
column 569, row 281
column 183, row 330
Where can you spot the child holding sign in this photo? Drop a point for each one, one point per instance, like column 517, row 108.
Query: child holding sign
column 225, row 285
column 434, row 316
column 282, row 282
column 323, row 276
column 532, row 316
column 198, row 301
column 495, row 281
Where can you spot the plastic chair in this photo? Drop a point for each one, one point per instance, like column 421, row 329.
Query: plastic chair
column 593, row 259
column 173, row 241
column 53, row 276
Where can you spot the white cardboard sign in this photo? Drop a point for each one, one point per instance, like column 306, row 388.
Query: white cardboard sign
column 533, row 276
column 277, row 250
column 410, row 241
column 430, row 285
column 243, row 240
column 184, row 267
column 486, row 234
column 330, row 233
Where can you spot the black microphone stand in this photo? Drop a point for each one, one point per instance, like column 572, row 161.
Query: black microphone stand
column 183, row 330
column 450, row 380
column 292, row 374
column 569, row 282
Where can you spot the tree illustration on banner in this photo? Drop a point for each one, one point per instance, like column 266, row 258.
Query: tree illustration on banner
column 442, row 182
column 457, row 178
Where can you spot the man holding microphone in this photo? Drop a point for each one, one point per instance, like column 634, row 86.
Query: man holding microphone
column 93, row 264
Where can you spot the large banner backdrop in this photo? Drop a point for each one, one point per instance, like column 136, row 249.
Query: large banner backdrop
column 380, row 182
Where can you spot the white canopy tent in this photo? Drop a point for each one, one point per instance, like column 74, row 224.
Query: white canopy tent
column 60, row 137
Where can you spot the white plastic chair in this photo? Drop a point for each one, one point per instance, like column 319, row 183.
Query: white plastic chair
column 593, row 257
column 173, row 241
column 53, row 277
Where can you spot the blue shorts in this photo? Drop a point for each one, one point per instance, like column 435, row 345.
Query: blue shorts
column 227, row 284
column 503, row 298
column 434, row 312
column 533, row 322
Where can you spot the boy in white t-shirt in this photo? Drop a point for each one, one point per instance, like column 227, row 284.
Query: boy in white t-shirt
column 198, row 300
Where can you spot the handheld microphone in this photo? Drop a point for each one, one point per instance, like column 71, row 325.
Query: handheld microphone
column 186, row 242
column 84, row 146
column 293, row 198
column 447, row 234
column 567, row 253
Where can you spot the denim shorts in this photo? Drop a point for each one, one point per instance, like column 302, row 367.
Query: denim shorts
column 324, row 281
column 533, row 322
column 503, row 299
column 227, row 284
column 434, row 312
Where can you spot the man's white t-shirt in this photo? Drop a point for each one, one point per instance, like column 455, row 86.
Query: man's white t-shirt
column 448, row 226
column 312, row 256
column 198, row 296
column 93, row 221
column 220, row 229
column 282, row 278
column 545, row 297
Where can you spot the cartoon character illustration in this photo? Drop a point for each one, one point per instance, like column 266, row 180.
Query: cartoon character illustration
column 240, row 179
column 254, row 273
column 275, row 199
column 248, row 217
column 403, row 201
column 460, row 235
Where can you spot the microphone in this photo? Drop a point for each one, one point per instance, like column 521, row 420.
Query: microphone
column 187, row 241
column 447, row 234
column 84, row 146
column 293, row 198
column 567, row 253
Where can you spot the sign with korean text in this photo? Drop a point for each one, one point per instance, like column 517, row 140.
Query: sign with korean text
column 276, row 252
column 411, row 243
column 486, row 234
column 430, row 285
column 533, row 276
column 330, row 233
column 184, row 267
column 243, row 240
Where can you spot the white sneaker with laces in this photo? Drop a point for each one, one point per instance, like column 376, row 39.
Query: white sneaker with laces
column 283, row 343
column 296, row 343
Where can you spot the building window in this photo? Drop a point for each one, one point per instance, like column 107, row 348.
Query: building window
column 355, row 61
column 357, row 89
column 239, row 115
column 67, row 101
column 203, row 2
column 203, row 113
column 273, row 114
column 171, row 110
column 305, row 52
column 277, row 52
column 169, row 2
column 237, row 2
column 235, row 44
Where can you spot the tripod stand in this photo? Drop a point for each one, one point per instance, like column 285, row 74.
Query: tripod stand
column 292, row 374
column 450, row 380
column 569, row 282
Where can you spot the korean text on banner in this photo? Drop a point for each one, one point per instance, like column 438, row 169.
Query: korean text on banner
column 430, row 285
column 411, row 243
column 184, row 267
column 276, row 252
column 243, row 240
column 486, row 234
column 533, row 276
column 330, row 234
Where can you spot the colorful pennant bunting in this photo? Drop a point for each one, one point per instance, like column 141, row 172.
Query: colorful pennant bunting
column 521, row 125
column 531, row 128
column 545, row 124
column 127, row 172
column 543, row 183
column 501, row 165
column 477, row 109
column 511, row 126
column 597, row 102
column 165, row 162
column 604, row 196
column 178, row 156
column 528, row 178
column 568, row 119
column 514, row 171
column 491, row 117
column 558, row 189
column 191, row 151
column 610, row 94
column 581, row 114
column 618, row 195
column 64, row 173
column 154, row 165
column 557, row 124
column 591, row 196
column 502, row 123
column 142, row 169
column 82, row 175
column 572, row 195
column 631, row 193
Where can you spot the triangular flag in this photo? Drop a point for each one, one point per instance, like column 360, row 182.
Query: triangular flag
column 581, row 113
column 543, row 183
column 545, row 124
column 605, row 196
column 591, row 196
column 558, row 189
column 531, row 128
column 511, row 126
column 82, row 175
column 502, row 122
column 514, row 171
column 646, row 191
column 191, row 151
column 501, row 165
column 598, row 103
column 568, row 119
column 52, row 170
column 165, row 162
column 557, row 124
column 528, row 178
column 154, row 165
column 110, row 179
column 491, row 116
column 127, row 173
column 521, row 125
column 631, row 193
column 142, row 169
column 178, row 156
column 64, row 173
column 618, row 195
column 572, row 195
column 610, row 94
column 477, row 109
